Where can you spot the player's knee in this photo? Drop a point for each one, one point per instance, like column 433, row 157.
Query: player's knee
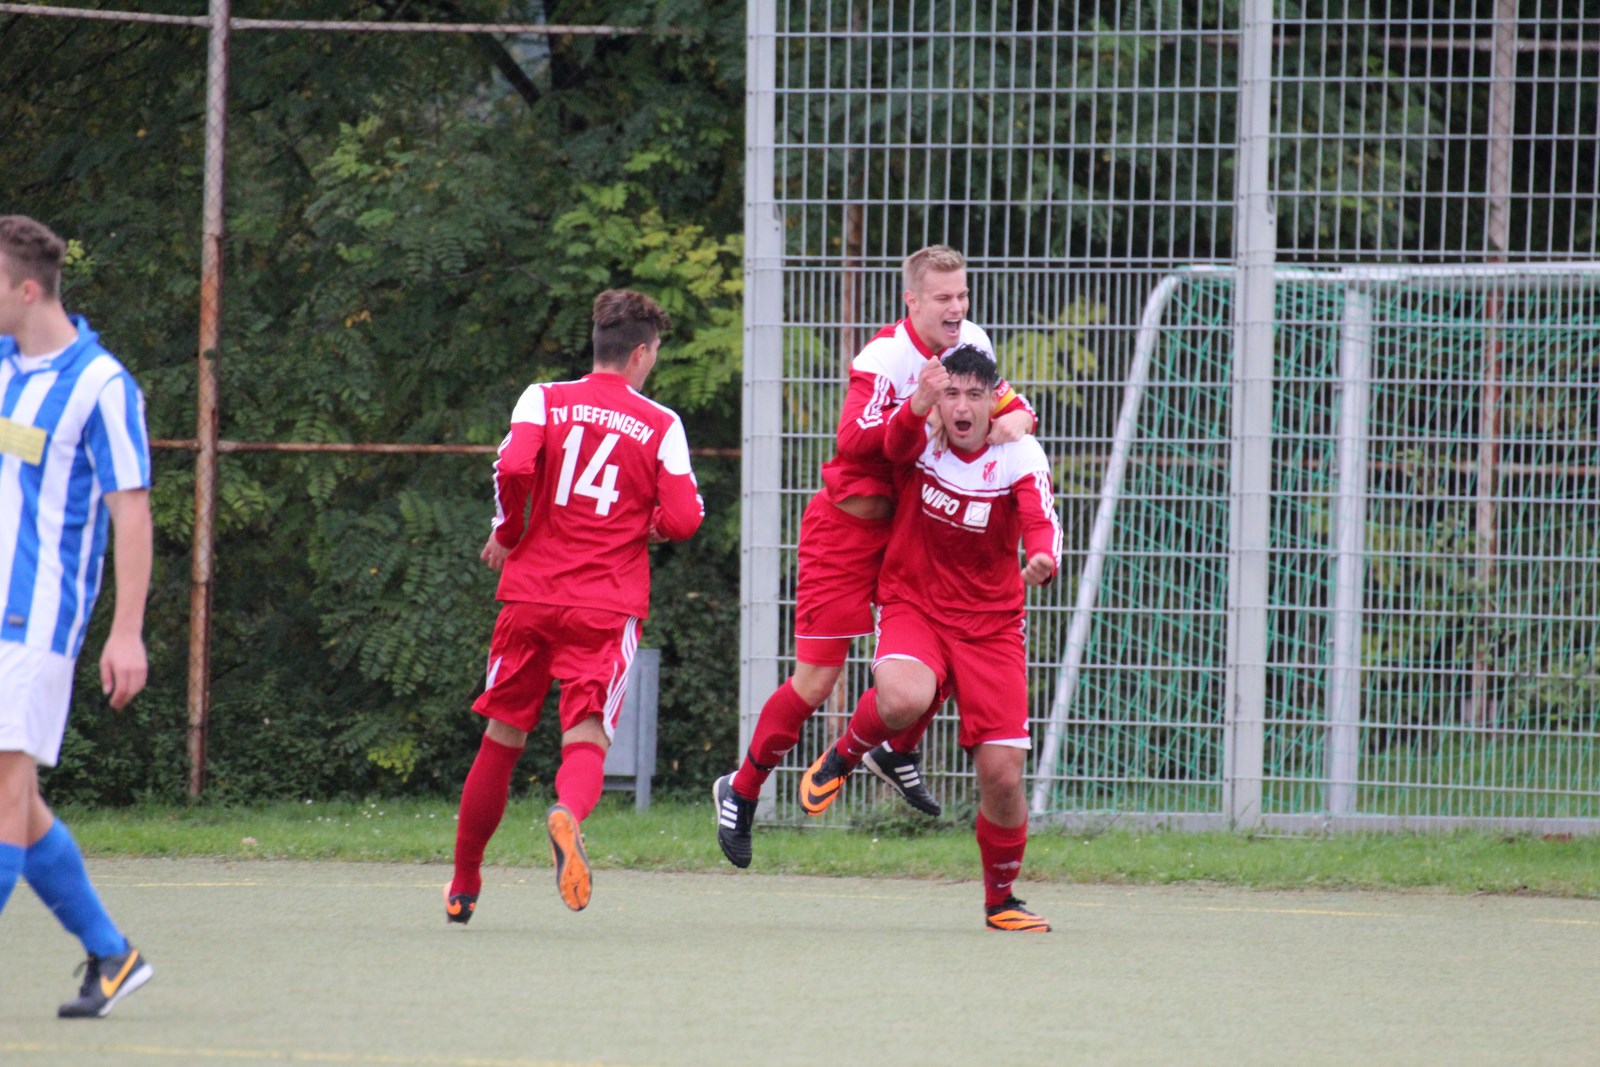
column 999, row 772
column 899, row 707
column 814, row 682
column 1000, row 782
column 502, row 733
column 1010, row 809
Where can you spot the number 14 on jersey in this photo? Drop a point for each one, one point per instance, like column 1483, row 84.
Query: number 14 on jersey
column 599, row 478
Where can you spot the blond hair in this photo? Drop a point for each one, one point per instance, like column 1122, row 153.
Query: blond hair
column 935, row 259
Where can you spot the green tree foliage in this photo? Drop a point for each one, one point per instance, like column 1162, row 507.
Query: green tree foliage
column 416, row 228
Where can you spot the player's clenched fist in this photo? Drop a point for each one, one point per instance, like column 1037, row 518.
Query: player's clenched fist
column 931, row 382
column 1039, row 569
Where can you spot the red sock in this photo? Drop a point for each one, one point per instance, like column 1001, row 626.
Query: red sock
column 865, row 731
column 911, row 736
column 483, row 803
column 777, row 731
column 581, row 777
column 1000, row 849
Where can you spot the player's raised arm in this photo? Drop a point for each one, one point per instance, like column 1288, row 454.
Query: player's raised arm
column 869, row 402
column 908, row 426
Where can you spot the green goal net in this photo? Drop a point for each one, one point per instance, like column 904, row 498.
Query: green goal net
column 1434, row 604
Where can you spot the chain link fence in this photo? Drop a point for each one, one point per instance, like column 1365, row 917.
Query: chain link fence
column 1305, row 300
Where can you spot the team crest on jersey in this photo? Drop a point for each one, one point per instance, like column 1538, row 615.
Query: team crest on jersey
column 988, row 471
column 977, row 515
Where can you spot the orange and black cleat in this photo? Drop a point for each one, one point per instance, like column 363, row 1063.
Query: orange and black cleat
column 1009, row 914
column 458, row 907
column 823, row 780
column 566, row 851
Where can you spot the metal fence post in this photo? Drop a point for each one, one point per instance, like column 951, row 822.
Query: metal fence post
column 205, row 464
column 1250, row 509
column 1343, row 702
column 761, row 475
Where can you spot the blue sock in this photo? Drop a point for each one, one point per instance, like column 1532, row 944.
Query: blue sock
column 10, row 868
column 54, row 867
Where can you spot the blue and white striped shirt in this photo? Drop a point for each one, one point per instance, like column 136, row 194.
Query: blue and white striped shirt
column 71, row 431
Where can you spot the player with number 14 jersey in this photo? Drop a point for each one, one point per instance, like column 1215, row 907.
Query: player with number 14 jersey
column 591, row 473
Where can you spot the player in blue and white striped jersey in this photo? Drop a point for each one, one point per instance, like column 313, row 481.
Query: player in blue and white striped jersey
column 74, row 469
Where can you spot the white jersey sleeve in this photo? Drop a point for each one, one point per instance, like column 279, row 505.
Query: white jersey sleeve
column 675, row 449
column 530, row 406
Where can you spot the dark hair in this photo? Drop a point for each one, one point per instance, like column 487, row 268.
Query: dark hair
column 970, row 361
column 624, row 320
column 31, row 250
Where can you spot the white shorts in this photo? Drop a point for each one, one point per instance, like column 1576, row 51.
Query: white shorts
column 37, row 684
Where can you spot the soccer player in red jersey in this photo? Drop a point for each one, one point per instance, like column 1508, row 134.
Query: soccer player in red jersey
column 605, row 472
column 843, row 534
column 952, row 619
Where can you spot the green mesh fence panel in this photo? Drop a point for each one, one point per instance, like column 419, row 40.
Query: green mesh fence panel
column 1475, row 486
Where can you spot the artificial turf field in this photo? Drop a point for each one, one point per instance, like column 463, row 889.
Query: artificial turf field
column 339, row 963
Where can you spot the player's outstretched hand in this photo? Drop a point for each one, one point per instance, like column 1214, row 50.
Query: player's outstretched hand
column 494, row 553
column 123, row 668
column 1038, row 570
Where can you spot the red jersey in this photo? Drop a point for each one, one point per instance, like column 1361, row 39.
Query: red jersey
column 881, row 378
column 957, row 521
column 603, row 467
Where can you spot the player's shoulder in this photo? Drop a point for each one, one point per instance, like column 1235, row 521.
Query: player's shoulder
column 660, row 412
column 530, row 406
column 891, row 354
column 1023, row 456
column 94, row 369
column 104, row 363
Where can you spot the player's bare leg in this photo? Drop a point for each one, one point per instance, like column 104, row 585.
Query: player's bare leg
column 18, row 788
column 36, row 845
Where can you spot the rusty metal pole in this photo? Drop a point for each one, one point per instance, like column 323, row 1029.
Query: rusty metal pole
column 205, row 464
column 1502, row 96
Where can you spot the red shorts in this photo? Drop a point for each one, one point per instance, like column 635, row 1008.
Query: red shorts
column 840, row 556
column 587, row 650
column 988, row 676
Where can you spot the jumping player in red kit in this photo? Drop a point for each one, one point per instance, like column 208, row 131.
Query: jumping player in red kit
column 843, row 534
column 605, row 472
column 952, row 619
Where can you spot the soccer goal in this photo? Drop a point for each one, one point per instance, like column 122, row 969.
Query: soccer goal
column 1433, row 621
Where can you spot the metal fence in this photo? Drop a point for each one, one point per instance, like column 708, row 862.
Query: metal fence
column 1343, row 571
